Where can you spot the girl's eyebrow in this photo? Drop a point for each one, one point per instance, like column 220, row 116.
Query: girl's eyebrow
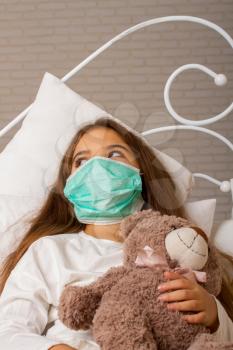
column 119, row 146
column 107, row 147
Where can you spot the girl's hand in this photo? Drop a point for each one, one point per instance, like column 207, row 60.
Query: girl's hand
column 187, row 295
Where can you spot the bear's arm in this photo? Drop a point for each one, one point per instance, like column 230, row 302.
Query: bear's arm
column 109, row 279
column 77, row 305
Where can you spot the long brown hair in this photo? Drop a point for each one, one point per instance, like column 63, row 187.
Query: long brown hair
column 56, row 216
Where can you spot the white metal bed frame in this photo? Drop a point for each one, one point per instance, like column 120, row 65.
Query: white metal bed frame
column 187, row 124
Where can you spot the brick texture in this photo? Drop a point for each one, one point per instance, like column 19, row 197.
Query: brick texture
column 127, row 79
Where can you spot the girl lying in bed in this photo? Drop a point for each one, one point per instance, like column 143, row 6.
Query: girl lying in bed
column 74, row 239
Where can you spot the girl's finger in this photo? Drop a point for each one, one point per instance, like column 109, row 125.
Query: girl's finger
column 188, row 305
column 171, row 275
column 200, row 317
column 178, row 295
column 181, row 283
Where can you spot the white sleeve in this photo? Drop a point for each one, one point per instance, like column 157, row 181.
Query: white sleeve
column 225, row 329
column 24, row 305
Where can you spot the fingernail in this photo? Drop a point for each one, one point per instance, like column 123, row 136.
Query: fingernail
column 161, row 298
column 160, row 287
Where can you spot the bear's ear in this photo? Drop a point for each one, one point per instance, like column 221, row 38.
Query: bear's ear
column 128, row 223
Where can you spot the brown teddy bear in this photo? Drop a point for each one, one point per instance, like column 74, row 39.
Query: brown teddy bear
column 121, row 307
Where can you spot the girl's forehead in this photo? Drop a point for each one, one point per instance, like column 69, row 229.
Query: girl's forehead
column 99, row 137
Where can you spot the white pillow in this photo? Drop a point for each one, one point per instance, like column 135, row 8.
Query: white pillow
column 201, row 213
column 29, row 163
column 15, row 213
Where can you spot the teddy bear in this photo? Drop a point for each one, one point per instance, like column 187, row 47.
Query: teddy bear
column 121, row 307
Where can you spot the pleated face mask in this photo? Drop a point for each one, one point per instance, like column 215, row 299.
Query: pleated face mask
column 104, row 191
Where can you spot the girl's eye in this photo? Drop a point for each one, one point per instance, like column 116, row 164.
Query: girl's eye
column 112, row 152
column 79, row 162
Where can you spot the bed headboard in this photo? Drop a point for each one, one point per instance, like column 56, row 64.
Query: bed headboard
column 184, row 124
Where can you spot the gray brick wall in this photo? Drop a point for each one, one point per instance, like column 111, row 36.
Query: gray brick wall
column 127, row 79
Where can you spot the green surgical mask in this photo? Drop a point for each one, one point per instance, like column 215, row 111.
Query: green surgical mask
column 104, row 191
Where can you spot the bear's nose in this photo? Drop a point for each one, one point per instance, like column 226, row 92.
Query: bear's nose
column 188, row 247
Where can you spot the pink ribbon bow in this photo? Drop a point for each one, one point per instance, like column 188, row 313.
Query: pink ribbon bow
column 148, row 257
